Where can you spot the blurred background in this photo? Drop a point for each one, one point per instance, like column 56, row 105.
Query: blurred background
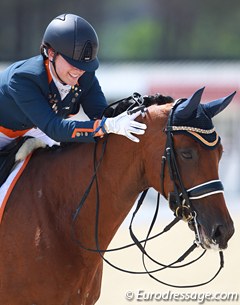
column 172, row 47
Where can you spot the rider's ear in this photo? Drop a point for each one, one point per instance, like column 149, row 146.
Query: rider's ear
column 51, row 54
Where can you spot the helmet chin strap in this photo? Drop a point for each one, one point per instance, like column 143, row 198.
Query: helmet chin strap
column 53, row 61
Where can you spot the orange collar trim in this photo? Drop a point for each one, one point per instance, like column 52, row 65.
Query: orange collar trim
column 46, row 63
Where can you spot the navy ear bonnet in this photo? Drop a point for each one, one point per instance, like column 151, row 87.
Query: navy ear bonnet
column 195, row 119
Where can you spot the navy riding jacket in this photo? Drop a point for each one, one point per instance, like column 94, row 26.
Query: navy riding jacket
column 29, row 98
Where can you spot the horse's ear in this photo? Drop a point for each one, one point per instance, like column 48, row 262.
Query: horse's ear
column 214, row 107
column 186, row 108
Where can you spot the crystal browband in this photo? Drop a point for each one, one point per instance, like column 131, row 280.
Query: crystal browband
column 193, row 129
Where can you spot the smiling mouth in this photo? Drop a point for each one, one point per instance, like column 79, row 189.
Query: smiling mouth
column 73, row 75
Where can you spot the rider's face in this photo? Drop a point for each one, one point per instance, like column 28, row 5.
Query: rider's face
column 67, row 73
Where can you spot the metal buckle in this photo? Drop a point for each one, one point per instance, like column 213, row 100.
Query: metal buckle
column 184, row 212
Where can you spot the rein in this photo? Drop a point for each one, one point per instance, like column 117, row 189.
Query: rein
column 179, row 201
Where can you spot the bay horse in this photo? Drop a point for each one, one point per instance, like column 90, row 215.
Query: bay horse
column 40, row 264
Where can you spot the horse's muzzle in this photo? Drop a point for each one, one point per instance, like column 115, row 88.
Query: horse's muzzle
column 218, row 237
column 221, row 234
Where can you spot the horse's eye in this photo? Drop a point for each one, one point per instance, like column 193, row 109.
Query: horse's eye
column 186, row 154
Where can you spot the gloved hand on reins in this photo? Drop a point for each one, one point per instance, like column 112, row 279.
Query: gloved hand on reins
column 124, row 124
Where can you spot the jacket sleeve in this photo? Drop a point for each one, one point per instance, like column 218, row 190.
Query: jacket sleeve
column 30, row 99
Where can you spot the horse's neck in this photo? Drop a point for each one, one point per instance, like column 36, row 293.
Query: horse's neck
column 120, row 180
column 126, row 169
column 121, row 176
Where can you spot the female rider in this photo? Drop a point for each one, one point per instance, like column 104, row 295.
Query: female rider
column 38, row 94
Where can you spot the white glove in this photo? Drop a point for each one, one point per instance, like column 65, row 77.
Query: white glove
column 124, row 124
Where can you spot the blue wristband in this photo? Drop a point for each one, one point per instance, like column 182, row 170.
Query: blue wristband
column 101, row 126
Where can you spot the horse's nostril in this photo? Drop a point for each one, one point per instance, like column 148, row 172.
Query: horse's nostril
column 220, row 236
column 217, row 234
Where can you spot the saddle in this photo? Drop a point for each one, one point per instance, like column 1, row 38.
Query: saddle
column 7, row 157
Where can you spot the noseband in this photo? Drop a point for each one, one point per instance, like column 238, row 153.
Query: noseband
column 180, row 199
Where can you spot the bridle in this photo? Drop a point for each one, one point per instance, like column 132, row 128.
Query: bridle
column 179, row 200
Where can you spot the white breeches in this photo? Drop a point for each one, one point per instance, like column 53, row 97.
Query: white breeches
column 34, row 132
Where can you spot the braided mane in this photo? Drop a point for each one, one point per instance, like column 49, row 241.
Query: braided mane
column 124, row 104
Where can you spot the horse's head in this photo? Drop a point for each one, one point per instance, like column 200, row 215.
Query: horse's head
column 189, row 170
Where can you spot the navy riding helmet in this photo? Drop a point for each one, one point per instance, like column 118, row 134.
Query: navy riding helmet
column 74, row 39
